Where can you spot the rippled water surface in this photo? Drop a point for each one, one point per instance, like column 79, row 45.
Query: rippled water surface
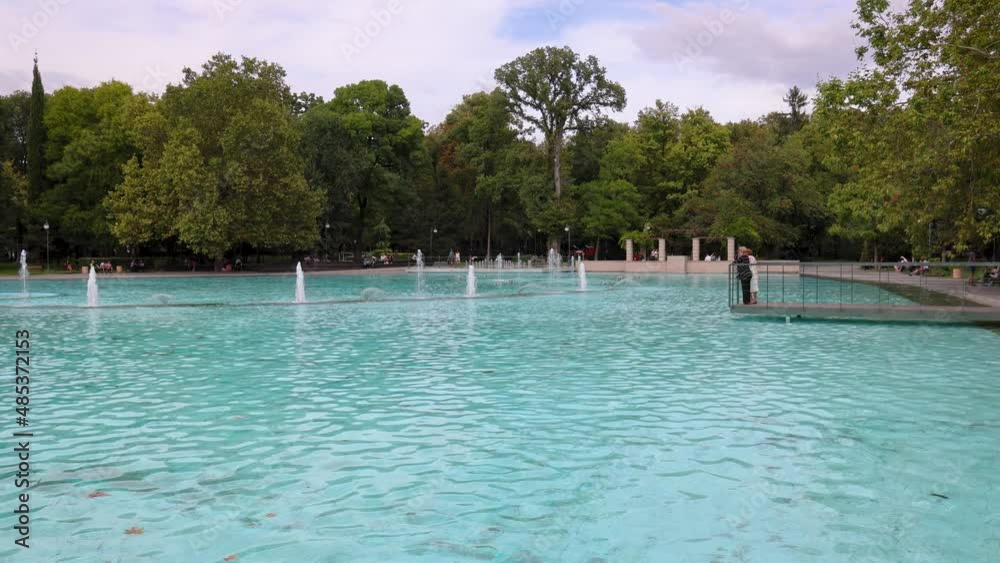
column 636, row 422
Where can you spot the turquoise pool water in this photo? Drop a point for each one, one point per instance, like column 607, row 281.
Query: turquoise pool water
column 636, row 422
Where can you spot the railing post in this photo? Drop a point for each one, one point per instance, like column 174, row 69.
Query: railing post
column 802, row 291
column 817, row 284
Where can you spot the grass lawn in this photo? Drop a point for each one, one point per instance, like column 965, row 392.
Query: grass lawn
column 10, row 269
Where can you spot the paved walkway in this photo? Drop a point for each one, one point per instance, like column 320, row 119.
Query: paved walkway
column 925, row 313
column 960, row 289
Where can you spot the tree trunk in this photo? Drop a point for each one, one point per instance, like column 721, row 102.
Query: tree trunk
column 489, row 231
column 362, row 207
column 557, row 142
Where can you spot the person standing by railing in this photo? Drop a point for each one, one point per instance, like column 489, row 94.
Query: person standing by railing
column 743, row 273
column 755, row 279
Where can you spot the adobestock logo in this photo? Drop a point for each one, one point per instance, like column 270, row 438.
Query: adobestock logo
column 364, row 35
column 562, row 13
column 224, row 7
column 33, row 25
column 713, row 29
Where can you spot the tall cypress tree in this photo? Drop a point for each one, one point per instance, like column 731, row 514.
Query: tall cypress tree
column 36, row 136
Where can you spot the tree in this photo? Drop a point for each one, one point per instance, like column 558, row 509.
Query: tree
column 15, row 109
column 931, row 100
column 219, row 165
column 762, row 191
column 304, row 101
column 587, row 147
column 484, row 136
column 557, row 91
column 609, row 208
column 36, row 135
column 666, row 156
column 796, row 101
column 360, row 148
column 13, row 192
column 383, row 238
column 88, row 142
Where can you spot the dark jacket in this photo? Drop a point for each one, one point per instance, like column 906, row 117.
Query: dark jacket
column 743, row 271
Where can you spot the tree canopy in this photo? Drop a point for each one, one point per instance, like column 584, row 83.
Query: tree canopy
column 557, row 91
column 219, row 165
column 902, row 155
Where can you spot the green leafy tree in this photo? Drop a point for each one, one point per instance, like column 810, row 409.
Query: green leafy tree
column 930, row 104
column 608, row 209
column 89, row 141
column 557, row 91
column 641, row 239
column 304, row 101
column 383, row 237
column 15, row 109
column 36, row 135
column 486, row 145
column 13, row 193
column 763, row 192
column 362, row 147
column 796, row 100
column 666, row 156
column 220, row 165
column 586, row 149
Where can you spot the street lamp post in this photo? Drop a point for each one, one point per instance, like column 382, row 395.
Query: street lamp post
column 46, row 227
column 569, row 244
column 326, row 239
column 433, row 232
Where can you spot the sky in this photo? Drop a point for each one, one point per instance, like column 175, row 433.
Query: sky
column 735, row 58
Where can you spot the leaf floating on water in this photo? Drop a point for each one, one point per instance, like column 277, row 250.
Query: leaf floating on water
column 135, row 531
column 229, row 557
column 270, row 515
column 98, row 494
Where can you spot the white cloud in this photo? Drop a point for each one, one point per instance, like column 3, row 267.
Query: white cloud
column 436, row 50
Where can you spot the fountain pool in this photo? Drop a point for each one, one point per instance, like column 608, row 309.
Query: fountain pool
column 636, row 421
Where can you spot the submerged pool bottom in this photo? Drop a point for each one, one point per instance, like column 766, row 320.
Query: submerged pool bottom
column 640, row 424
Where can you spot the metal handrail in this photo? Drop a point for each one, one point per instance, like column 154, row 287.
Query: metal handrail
column 889, row 281
column 931, row 263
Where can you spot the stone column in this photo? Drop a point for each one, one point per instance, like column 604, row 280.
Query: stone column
column 695, row 249
column 730, row 248
column 663, row 250
column 629, row 250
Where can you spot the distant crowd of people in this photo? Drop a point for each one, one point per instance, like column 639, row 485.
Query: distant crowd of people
column 913, row 268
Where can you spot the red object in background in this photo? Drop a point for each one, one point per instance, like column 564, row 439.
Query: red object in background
column 589, row 252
